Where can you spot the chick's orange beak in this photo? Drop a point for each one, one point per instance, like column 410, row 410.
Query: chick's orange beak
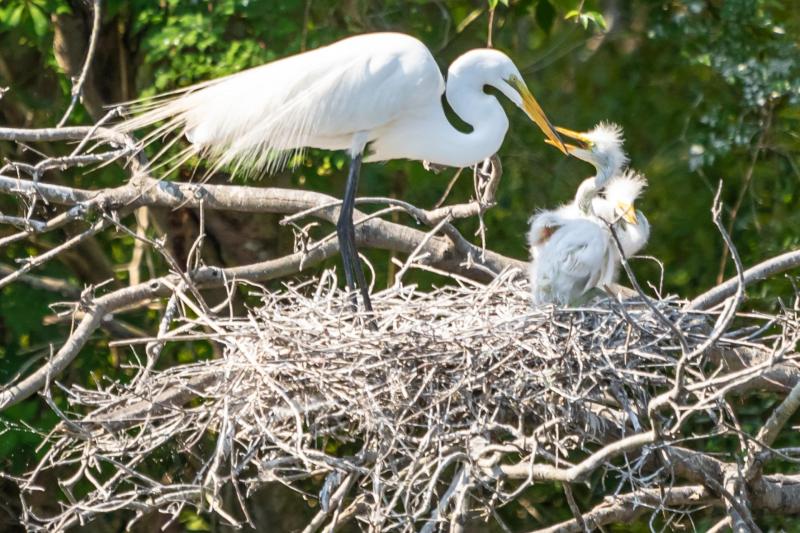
column 578, row 136
column 585, row 142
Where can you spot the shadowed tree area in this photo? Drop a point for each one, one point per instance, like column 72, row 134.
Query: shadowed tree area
column 708, row 96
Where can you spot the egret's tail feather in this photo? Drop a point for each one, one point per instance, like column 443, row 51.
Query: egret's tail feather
column 247, row 122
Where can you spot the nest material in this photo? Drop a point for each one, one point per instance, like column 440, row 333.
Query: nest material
column 400, row 428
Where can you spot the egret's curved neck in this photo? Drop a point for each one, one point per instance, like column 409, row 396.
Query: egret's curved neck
column 587, row 190
column 451, row 147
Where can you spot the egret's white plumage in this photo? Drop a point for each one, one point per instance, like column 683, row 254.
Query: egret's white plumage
column 545, row 222
column 381, row 89
column 386, row 86
column 572, row 248
column 631, row 226
column 601, row 146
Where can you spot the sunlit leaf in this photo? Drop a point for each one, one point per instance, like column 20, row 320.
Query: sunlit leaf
column 40, row 22
column 16, row 15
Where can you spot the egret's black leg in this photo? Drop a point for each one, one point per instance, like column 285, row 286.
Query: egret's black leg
column 346, row 232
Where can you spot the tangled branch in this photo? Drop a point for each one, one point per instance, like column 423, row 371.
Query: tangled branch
column 461, row 400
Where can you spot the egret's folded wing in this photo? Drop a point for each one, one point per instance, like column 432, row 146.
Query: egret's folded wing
column 254, row 118
column 580, row 254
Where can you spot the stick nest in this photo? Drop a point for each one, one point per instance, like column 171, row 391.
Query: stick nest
column 462, row 398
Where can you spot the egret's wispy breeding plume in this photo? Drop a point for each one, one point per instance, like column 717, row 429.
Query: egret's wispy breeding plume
column 381, row 89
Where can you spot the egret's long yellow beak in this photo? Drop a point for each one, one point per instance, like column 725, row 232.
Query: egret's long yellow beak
column 628, row 213
column 536, row 114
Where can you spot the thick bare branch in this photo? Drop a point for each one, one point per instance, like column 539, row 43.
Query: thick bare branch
column 583, row 469
column 375, row 233
column 759, row 272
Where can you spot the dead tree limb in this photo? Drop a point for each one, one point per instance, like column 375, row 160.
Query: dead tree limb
column 770, row 267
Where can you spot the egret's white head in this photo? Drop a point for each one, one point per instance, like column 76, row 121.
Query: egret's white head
column 601, row 146
column 622, row 192
column 492, row 67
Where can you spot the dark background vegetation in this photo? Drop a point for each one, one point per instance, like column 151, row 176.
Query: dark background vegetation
column 705, row 91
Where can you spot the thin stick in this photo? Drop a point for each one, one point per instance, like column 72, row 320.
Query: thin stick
column 77, row 88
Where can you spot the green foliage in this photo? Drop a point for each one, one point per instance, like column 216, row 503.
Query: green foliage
column 30, row 18
column 586, row 17
column 704, row 91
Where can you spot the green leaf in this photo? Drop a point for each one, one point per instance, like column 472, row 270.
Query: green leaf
column 597, row 18
column 40, row 22
column 16, row 15
column 587, row 17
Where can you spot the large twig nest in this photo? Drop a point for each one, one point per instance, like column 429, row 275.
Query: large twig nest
column 444, row 410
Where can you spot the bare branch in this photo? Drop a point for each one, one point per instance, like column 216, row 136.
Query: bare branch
column 627, row 507
column 759, row 272
column 374, row 233
column 77, row 87
column 583, row 469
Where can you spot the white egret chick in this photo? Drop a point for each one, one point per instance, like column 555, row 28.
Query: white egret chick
column 572, row 248
column 377, row 96
column 602, row 148
column 616, row 206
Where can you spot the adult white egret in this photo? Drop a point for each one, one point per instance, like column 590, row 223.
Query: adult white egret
column 572, row 248
column 381, row 89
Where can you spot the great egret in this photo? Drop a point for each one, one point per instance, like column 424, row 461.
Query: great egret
column 381, row 89
column 602, row 147
column 572, row 248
